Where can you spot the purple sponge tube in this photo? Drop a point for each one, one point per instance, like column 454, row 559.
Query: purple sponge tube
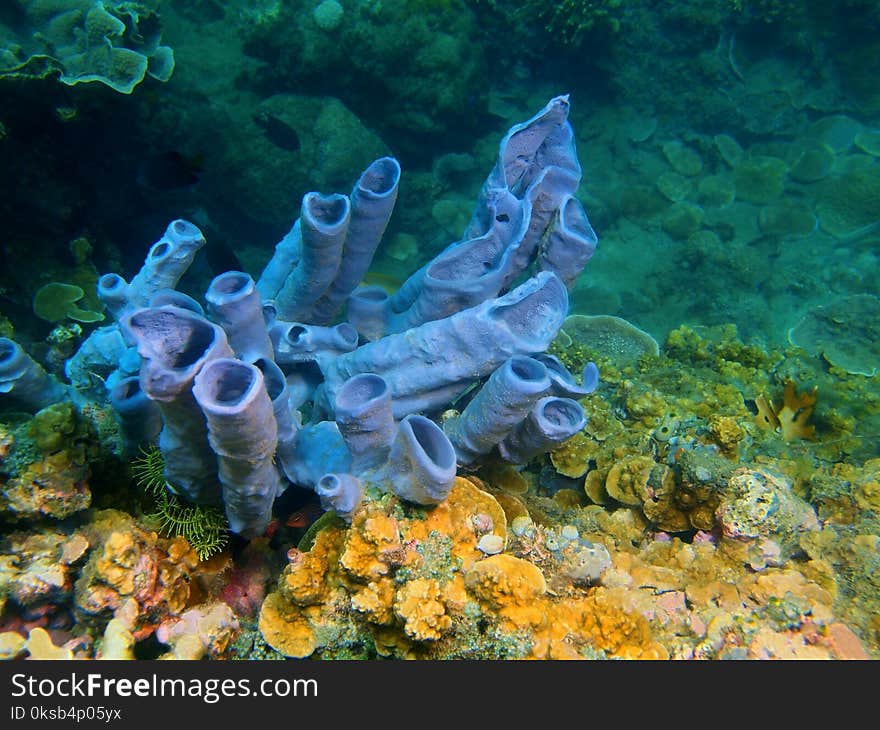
column 112, row 290
column 284, row 259
column 464, row 275
column 564, row 384
column 243, row 433
column 569, row 244
column 324, row 221
column 551, row 421
column 363, row 414
column 174, row 345
column 293, row 342
column 368, row 311
column 372, row 202
column 341, row 493
column 23, row 378
column 288, row 424
column 235, row 304
column 167, row 260
column 499, row 406
column 443, row 357
column 174, row 298
column 421, row 464
column 139, row 418
column 537, row 155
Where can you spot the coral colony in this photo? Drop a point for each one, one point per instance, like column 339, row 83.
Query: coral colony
column 264, row 387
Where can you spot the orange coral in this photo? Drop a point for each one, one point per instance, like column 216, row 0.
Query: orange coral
column 372, row 546
column 286, row 628
column 420, row 606
column 790, row 418
column 128, row 562
column 54, row 486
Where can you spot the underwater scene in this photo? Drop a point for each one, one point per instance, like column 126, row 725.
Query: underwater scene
column 375, row 329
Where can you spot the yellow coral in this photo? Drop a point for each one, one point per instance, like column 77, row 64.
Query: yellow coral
column 868, row 491
column 455, row 518
column 420, row 606
column 627, row 480
column 726, row 432
column 375, row 601
column 285, row 628
column 40, row 646
column 572, row 457
column 790, row 418
column 509, row 586
column 372, row 546
column 306, row 578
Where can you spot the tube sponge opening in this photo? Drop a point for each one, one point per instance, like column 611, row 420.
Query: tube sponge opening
column 363, row 414
column 421, row 466
column 340, row 492
column 326, row 212
column 381, row 177
column 534, row 310
column 230, row 385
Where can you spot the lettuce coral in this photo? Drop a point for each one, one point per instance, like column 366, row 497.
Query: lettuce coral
column 113, row 43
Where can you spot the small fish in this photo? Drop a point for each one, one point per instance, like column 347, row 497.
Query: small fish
column 170, row 170
column 278, row 132
column 301, row 518
column 388, row 282
column 305, row 516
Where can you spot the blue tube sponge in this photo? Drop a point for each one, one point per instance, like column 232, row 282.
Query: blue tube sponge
column 500, row 405
column 23, row 378
column 235, row 304
column 563, row 382
column 174, row 298
column 421, row 463
column 167, row 260
column 430, row 365
column 174, row 345
column 139, row 418
column 569, row 244
column 464, row 275
column 372, row 202
column 363, row 414
column 551, row 421
column 286, row 418
column 112, row 290
column 284, row 259
column 368, row 311
column 323, row 224
column 293, row 342
column 340, row 492
column 538, row 165
column 243, row 433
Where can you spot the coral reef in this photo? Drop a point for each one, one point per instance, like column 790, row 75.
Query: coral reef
column 714, row 495
column 114, row 43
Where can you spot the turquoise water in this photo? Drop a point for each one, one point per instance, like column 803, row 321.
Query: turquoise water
column 731, row 169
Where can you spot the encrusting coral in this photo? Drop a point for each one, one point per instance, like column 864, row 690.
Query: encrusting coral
column 416, row 583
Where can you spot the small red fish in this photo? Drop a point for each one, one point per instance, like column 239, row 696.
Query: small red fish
column 302, row 518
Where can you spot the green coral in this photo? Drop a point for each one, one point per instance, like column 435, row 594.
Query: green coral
column 114, row 43
column 60, row 427
column 204, row 528
column 56, row 302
